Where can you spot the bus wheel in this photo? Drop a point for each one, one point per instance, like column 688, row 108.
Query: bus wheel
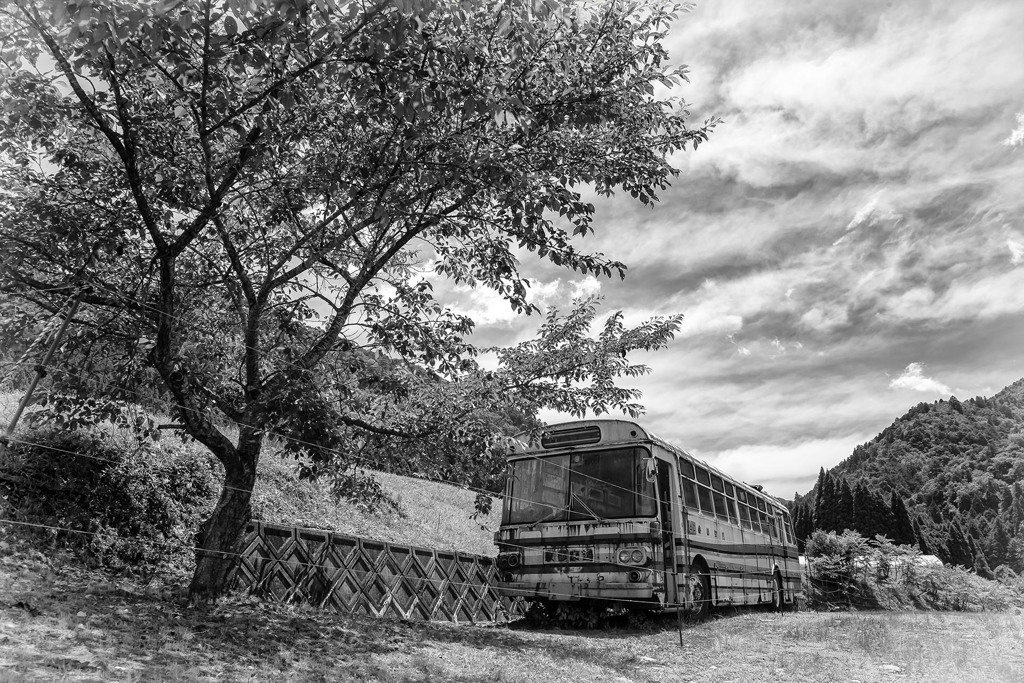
column 778, row 602
column 698, row 585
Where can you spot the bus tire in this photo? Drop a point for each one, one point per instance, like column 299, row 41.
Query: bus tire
column 778, row 598
column 698, row 587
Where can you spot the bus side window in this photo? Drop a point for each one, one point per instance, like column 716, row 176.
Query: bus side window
column 703, row 477
column 689, row 494
column 755, row 520
column 686, row 469
column 745, row 516
column 732, row 510
column 704, row 494
column 720, row 509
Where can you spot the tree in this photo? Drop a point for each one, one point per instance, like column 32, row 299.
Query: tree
column 958, row 550
column 823, row 501
column 240, row 193
column 803, row 523
column 845, row 516
column 902, row 525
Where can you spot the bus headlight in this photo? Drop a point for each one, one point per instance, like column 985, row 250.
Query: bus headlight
column 508, row 560
column 632, row 556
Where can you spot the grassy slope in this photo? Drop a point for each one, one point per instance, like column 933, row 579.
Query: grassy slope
column 429, row 514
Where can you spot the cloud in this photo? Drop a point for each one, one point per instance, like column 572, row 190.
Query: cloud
column 785, row 468
column 586, row 287
column 487, row 307
column 1016, row 251
column 853, row 213
column 872, row 211
column 1017, row 134
column 913, row 378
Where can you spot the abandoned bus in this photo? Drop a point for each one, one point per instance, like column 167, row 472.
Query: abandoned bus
column 605, row 513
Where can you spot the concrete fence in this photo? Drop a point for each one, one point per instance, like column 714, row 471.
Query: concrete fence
column 360, row 576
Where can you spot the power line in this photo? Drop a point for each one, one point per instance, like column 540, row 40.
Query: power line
column 314, row 565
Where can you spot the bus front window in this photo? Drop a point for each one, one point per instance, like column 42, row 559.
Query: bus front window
column 539, row 489
column 594, row 485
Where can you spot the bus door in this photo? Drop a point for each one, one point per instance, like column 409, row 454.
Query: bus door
column 668, row 530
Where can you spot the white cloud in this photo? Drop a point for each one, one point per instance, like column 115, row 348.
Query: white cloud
column 785, row 468
column 872, row 211
column 1017, row 134
column 913, row 378
column 825, row 318
column 487, row 307
column 1016, row 251
column 586, row 287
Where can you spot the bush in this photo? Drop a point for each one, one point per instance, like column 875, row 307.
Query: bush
column 847, row 570
column 131, row 506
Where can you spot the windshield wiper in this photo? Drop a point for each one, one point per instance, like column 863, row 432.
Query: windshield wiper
column 585, row 507
column 550, row 515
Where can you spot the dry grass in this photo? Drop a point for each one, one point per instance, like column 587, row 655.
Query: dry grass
column 60, row 622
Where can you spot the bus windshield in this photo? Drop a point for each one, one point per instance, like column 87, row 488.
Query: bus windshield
column 595, row 485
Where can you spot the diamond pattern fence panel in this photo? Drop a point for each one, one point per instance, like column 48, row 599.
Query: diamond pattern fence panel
column 356, row 575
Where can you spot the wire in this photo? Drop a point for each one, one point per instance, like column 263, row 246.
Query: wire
column 284, row 361
column 664, row 573
column 315, row 565
column 567, row 508
column 383, row 464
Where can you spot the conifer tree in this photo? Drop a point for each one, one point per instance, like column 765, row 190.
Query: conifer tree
column 958, row 549
column 803, row 524
column 862, row 510
column 997, row 544
column 819, row 494
column 845, row 517
column 902, row 526
column 1017, row 507
column 922, row 542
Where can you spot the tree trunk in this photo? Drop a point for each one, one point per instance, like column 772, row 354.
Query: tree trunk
column 218, row 548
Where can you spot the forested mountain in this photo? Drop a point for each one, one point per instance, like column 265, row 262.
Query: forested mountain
column 948, row 476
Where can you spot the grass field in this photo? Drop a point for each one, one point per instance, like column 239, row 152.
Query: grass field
column 63, row 623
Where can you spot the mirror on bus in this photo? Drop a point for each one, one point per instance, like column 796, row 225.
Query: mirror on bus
column 651, row 468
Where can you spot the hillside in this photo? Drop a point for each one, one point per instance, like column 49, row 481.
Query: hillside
column 956, row 467
column 174, row 482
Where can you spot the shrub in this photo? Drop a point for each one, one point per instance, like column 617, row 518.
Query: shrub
column 118, row 506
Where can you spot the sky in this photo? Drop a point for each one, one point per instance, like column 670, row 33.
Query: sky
column 848, row 244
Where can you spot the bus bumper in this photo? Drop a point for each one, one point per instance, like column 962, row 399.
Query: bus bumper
column 564, row 590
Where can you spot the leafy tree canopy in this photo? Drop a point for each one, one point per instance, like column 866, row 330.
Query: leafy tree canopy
column 241, row 192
